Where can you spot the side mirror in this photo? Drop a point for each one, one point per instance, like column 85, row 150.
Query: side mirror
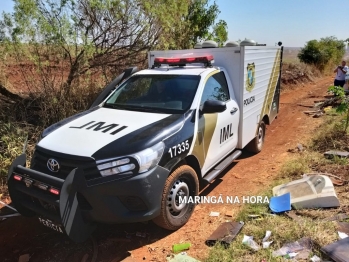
column 213, row 106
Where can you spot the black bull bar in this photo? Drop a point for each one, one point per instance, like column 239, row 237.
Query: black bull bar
column 70, row 215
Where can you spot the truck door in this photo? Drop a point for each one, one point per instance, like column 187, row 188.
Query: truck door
column 219, row 131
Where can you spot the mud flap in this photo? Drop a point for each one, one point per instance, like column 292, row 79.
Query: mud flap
column 17, row 197
column 73, row 221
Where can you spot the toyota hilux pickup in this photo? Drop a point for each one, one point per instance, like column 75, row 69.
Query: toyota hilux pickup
column 149, row 139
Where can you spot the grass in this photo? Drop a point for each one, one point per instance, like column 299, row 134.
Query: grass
column 12, row 140
column 284, row 229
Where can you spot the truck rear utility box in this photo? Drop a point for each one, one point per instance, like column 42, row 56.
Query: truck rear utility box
column 254, row 74
column 148, row 140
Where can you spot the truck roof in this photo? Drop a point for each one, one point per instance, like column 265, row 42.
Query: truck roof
column 187, row 70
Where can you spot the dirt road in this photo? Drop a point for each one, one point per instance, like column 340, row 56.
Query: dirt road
column 245, row 178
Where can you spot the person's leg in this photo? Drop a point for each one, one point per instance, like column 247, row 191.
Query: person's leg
column 339, row 83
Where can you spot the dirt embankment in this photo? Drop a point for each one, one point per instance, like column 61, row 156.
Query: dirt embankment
column 294, row 74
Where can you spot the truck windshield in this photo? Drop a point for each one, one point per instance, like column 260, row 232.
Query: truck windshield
column 155, row 93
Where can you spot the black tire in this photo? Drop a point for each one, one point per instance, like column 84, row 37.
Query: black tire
column 173, row 215
column 256, row 145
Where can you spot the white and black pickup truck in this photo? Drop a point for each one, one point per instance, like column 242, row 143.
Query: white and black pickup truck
column 150, row 138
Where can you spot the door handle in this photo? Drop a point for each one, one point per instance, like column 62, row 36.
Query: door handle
column 233, row 111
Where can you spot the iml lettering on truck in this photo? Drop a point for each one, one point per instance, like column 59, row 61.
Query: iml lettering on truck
column 249, row 100
column 226, row 133
column 99, row 126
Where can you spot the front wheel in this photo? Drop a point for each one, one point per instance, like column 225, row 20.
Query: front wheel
column 181, row 184
column 256, row 145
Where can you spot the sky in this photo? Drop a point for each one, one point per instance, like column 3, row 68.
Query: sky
column 293, row 22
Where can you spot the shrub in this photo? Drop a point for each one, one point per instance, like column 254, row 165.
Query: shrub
column 323, row 53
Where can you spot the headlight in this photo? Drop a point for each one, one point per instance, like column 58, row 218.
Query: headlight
column 150, row 157
column 147, row 159
column 115, row 167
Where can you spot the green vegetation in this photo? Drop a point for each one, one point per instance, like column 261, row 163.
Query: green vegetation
column 286, row 230
column 199, row 25
column 344, row 105
column 67, row 50
column 322, row 53
column 11, row 144
column 64, row 52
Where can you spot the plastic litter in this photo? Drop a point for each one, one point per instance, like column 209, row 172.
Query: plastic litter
column 180, row 247
column 281, row 252
column 181, row 258
column 332, row 153
column 266, row 243
column 291, row 255
column 300, row 147
column 279, row 204
column 225, row 233
column 267, row 235
column 255, row 217
column 302, row 244
column 304, row 254
column 342, row 235
column 315, row 259
column 248, row 240
column 309, row 192
column 214, row 214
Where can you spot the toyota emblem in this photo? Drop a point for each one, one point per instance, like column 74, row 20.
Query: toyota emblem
column 53, row 165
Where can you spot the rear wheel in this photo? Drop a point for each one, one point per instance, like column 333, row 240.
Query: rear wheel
column 183, row 182
column 256, row 145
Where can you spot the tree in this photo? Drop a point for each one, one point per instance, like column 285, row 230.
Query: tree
column 71, row 47
column 199, row 25
column 219, row 32
column 322, row 53
column 91, row 33
column 74, row 45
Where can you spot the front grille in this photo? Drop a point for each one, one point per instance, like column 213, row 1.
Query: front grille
column 66, row 162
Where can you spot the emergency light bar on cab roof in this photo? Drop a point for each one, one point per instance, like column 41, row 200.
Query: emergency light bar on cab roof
column 183, row 60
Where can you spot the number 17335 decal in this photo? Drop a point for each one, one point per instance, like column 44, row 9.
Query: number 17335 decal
column 178, row 149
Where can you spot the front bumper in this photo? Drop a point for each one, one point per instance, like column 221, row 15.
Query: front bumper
column 78, row 204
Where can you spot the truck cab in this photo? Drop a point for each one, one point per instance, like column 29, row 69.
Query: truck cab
column 148, row 141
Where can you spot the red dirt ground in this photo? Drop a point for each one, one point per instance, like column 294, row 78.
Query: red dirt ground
column 246, row 177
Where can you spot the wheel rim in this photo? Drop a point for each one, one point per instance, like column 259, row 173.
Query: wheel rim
column 174, row 207
column 260, row 136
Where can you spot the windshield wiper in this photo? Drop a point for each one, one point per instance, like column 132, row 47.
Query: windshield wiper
column 112, row 106
column 133, row 108
column 142, row 108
